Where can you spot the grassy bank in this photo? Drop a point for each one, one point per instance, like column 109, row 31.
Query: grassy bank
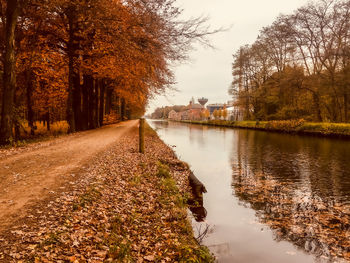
column 124, row 207
column 293, row 126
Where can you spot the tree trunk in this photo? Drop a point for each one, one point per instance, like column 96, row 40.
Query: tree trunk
column 128, row 113
column 9, row 75
column 30, row 116
column 102, row 101
column 97, row 91
column 77, row 103
column 108, row 101
column 122, row 109
column 85, row 92
column 119, row 106
column 16, row 119
column 47, row 117
column 317, row 107
column 333, row 110
column 72, row 54
column 17, row 131
column 70, row 112
column 346, row 112
column 247, row 106
column 92, row 107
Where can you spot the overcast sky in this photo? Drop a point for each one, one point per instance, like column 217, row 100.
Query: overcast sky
column 208, row 73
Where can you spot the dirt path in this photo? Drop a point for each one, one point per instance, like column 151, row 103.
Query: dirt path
column 122, row 207
column 30, row 176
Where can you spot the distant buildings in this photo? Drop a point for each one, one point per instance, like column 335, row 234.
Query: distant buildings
column 234, row 113
column 213, row 107
column 173, row 115
column 198, row 111
column 191, row 112
column 202, row 101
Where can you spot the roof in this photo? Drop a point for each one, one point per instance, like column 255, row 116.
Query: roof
column 216, row 105
column 196, row 106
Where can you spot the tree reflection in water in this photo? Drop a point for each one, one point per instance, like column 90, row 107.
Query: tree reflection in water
column 197, row 209
column 196, row 203
column 290, row 199
column 296, row 185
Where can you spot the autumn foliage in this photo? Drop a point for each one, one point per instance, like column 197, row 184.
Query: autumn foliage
column 82, row 60
column 298, row 67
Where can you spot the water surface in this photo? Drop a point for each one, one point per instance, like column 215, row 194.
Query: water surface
column 271, row 197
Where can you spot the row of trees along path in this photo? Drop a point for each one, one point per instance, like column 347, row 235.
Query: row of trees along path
column 80, row 60
column 299, row 67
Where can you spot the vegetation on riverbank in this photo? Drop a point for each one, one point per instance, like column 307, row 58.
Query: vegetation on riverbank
column 292, row 126
column 295, row 69
column 124, row 207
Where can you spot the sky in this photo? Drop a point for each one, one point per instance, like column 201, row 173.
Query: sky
column 208, row 71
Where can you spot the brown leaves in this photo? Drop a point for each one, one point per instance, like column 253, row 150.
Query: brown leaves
column 149, row 258
column 118, row 211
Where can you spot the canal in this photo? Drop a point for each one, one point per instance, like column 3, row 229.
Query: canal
column 270, row 197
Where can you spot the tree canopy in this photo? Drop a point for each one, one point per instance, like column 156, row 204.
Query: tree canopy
column 298, row 67
column 81, row 60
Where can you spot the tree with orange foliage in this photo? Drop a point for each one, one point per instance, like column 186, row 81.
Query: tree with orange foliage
column 10, row 11
column 92, row 57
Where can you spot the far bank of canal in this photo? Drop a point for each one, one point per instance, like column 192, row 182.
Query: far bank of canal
column 319, row 129
column 271, row 197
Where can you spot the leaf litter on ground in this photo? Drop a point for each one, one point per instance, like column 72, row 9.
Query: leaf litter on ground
column 120, row 210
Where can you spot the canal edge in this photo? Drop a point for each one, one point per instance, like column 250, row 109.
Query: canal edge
column 190, row 193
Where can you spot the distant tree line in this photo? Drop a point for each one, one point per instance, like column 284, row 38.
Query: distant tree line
column 163, row 112
column 80, row 60
column 299, row 67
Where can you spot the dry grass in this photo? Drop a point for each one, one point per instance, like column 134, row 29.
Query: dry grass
column 57, row 128
column 41, row 133
column 289, row 126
